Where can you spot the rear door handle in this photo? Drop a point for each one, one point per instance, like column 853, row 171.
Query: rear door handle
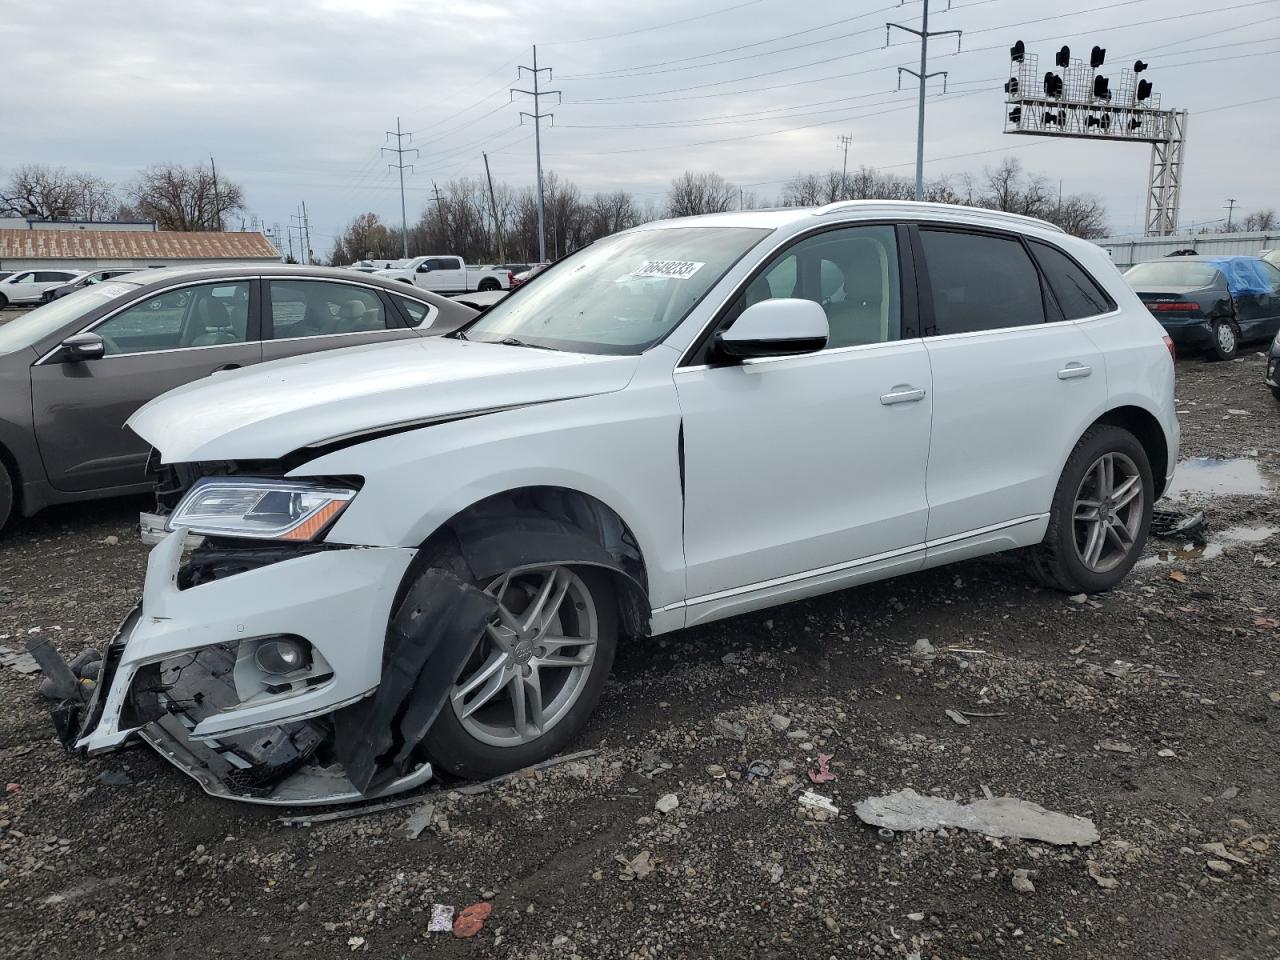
column 1073, row 371
column 902, row 393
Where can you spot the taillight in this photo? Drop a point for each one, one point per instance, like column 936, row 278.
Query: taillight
column 1173, row 351
column 510, row 276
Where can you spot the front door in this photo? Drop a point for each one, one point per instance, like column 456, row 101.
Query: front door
column 1016, row 381
column 307, row 316
column 152, row 346
column 801, row 469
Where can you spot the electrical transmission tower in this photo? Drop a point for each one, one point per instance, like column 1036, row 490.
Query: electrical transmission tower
column 537, row 116
column 844, row 140
column 400, row 150
column 923, row 76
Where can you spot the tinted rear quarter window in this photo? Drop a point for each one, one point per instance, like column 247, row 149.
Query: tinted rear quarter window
column 1077, row 293
column 980, row 282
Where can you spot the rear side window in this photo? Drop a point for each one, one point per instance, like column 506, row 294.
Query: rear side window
column 1077, row 293
column 980, row 282
column 415, row 311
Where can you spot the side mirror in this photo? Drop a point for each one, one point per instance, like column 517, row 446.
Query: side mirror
column 424, row 268
column 84, row 346
column 775, row 328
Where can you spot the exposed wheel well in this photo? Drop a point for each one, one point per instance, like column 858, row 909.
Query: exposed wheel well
column 532, row 525
column 1149, row 433
column 10, row 464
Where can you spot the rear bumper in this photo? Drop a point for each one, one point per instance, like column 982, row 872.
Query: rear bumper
column 1193, row 334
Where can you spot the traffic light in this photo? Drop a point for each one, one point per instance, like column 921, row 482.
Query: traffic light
column 1063, row 59
column 1016, row 114
column 1139, row 66
column 1018, row 52
column 1011, row 86
column 1104, row 121
column 1050, row 118
column 1052, row 85
column 1096, row 57
column 1135, row 123
column 1144, row 89
column 1102, row 88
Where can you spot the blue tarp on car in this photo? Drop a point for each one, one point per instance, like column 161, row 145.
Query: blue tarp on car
column 1244, row 275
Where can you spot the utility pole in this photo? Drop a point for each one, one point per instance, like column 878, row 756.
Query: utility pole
column 301, row 217
column 844, row 140
column 493, row 205
column 292, row 258
column 217, row 204
column 1231, row 206
column 306, row 229
column 536, row 117
column 923, row 76
column 400, row 150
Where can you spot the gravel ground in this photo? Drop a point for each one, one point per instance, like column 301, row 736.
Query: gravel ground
column 1152, row 710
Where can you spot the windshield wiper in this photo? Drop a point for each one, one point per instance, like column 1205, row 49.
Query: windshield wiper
column 513, row 342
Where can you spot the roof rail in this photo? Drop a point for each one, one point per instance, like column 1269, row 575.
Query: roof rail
column 918, row 208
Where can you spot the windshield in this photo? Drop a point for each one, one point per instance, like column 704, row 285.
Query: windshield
column 1162, row 273
column 32, row 327
column 621, row 294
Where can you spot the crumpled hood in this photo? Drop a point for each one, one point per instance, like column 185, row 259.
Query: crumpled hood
column 269, row 410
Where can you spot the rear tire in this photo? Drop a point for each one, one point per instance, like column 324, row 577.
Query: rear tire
column 4, row 301
column 472, row 744
column 1226, row 340
column 1275, row 392
column 488, row 283
column 1095, row 534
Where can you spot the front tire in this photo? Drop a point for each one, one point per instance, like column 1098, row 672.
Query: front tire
column 4, row 301
column 535, row 676
column 1101, row 514
column 6, row 496
column 1226, row 340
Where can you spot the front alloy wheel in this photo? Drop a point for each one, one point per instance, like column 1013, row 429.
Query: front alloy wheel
column 1108, row 512
column 537, row 671
column 534, row 660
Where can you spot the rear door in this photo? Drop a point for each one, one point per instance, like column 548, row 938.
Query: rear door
column 1015, row 383
column 151, row 346
column 307, row 316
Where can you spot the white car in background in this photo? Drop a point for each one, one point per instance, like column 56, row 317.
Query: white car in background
column 28, row 286
column 425, row 554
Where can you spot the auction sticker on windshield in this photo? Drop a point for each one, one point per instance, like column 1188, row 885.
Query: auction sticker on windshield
column 669, row 269
column 109, row 290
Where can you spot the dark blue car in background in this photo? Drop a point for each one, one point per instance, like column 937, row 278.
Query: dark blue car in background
column 1211, row 304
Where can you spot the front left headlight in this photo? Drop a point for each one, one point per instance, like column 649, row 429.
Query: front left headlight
column 292, row 510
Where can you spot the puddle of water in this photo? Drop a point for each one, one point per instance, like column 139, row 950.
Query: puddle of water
column 1221, row 478
column 1212, row 548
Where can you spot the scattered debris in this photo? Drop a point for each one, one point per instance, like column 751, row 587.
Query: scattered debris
column 1174, row 524
column 716, row 772
column 818, row 802
column 355, row 943
column 1229, row 794
column 823, row 774
column 983, row 713
column 418, row 821
column 923, row 648
column 779, row 722
column 1106, row 883
column 441, row 918
column 667, row 803
column 1220, row 867
column 1166, row 753
column 1219, row 850
column 471, row 920
column 16, row 660
column 638, row 867
column 1002, row 817
column 1269, row 623
column 958, row 717
column 115, row 778
column 759, row 770
column 1116, row 746
column 1177, row 576
column 730, row 728
column 1022, row 881
column 1079, row 598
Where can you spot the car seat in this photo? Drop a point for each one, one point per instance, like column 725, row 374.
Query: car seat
column 214, row 320
column 354, row 317
column 859, row 317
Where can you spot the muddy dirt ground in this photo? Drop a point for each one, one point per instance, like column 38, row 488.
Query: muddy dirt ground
column 1152, row 710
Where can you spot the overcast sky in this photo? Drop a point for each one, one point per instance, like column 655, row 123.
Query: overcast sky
column 293, row 98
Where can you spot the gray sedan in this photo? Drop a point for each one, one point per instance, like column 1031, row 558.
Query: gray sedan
column 72, row 371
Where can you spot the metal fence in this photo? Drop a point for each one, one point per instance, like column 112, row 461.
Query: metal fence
column 1126, row 251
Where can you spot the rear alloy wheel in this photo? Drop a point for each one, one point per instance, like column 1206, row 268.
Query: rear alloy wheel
column 1226, row 339
column 536, row 674
column 1100, row 516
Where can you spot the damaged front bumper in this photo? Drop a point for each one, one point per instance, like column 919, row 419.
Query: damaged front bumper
column 184, row 676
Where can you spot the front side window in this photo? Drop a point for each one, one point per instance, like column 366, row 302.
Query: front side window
column 207, row 315
column 318, row 308
column 1077, row 293
column 34, row 325
column 852, row 273
column 621, row 294
column 980, row 282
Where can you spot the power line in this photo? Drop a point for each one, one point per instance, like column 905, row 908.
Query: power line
column 657, row 26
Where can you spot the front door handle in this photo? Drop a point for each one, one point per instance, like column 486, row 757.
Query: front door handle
column 1074, row 371
column 902, row 393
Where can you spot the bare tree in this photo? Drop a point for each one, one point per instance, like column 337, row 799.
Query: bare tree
column 695, row 193
column 1259, row 220
column 55, row 193
column 1081, row 214
column 185, row 198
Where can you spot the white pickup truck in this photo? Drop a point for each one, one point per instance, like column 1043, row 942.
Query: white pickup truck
column 448, row 275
